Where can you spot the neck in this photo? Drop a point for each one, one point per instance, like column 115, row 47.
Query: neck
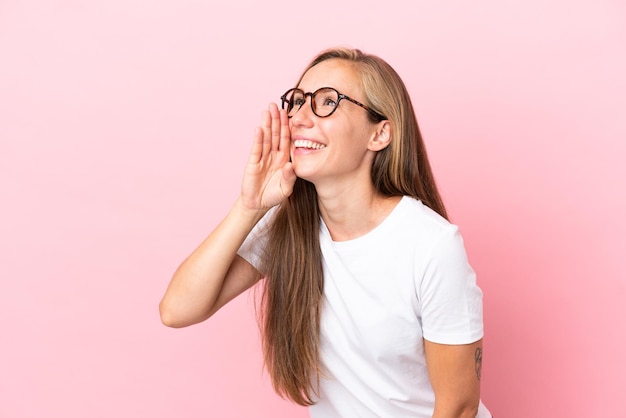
column 352, row 210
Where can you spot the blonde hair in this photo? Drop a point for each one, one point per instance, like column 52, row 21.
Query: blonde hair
column 293, row 289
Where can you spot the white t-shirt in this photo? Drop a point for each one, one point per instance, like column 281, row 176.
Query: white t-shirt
column 384, row 292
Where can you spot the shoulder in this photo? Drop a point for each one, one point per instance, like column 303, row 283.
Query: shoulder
column 422, row 223
column 435, row 243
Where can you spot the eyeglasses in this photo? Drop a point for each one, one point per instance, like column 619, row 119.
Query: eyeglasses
column 324, row 102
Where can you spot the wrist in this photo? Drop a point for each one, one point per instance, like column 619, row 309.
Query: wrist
column 252, row 215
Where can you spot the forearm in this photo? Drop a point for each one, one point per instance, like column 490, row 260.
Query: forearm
column 197, row 282
column 213, row 274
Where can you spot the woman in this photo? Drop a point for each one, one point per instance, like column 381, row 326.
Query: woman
column 369, row 306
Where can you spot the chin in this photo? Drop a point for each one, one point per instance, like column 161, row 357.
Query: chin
column 305, row 174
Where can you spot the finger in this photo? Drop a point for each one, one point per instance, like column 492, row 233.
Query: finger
column 267, row 134
column 285, row 132
column 257, row 146
column 288, row 180
column 275, row 125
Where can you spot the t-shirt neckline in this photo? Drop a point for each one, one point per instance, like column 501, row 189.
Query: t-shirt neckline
column 365, row 238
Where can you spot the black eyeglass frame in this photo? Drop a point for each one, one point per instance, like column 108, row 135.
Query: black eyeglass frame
column 340, row 97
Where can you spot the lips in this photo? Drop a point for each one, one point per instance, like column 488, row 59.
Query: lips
column 306, row 144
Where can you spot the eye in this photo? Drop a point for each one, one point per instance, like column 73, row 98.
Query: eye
column 297, row 99
column 329, row 102
column 326, row 98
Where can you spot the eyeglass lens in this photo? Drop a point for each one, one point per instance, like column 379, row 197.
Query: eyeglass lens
column 323, row 101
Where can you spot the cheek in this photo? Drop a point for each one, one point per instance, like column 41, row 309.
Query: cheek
column 339, row 129
column 359, row 136
column 342, row 130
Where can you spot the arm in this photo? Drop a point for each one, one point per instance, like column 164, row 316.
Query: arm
column 454, row 372
column 214, row 274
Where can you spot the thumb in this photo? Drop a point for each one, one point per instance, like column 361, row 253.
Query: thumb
column 289, row 178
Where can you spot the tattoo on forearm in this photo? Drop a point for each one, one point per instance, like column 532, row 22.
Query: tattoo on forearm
column 478, row 356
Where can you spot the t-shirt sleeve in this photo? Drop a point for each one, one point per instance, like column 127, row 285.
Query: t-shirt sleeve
column 450, row 299
column 253, row 246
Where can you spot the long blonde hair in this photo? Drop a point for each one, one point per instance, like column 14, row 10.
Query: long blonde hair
column 291, row 300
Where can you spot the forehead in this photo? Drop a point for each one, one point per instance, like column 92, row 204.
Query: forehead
column 337, row 73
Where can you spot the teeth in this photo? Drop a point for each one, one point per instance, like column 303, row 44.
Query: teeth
column 303, row 143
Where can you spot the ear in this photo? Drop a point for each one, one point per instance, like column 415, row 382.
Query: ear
column 381, row 136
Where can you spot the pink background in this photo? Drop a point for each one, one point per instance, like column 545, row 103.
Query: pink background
column 124, row 127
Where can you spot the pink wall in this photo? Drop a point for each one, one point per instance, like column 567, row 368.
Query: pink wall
column 124, row 126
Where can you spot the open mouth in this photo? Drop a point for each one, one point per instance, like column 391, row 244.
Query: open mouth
column 306, row 144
